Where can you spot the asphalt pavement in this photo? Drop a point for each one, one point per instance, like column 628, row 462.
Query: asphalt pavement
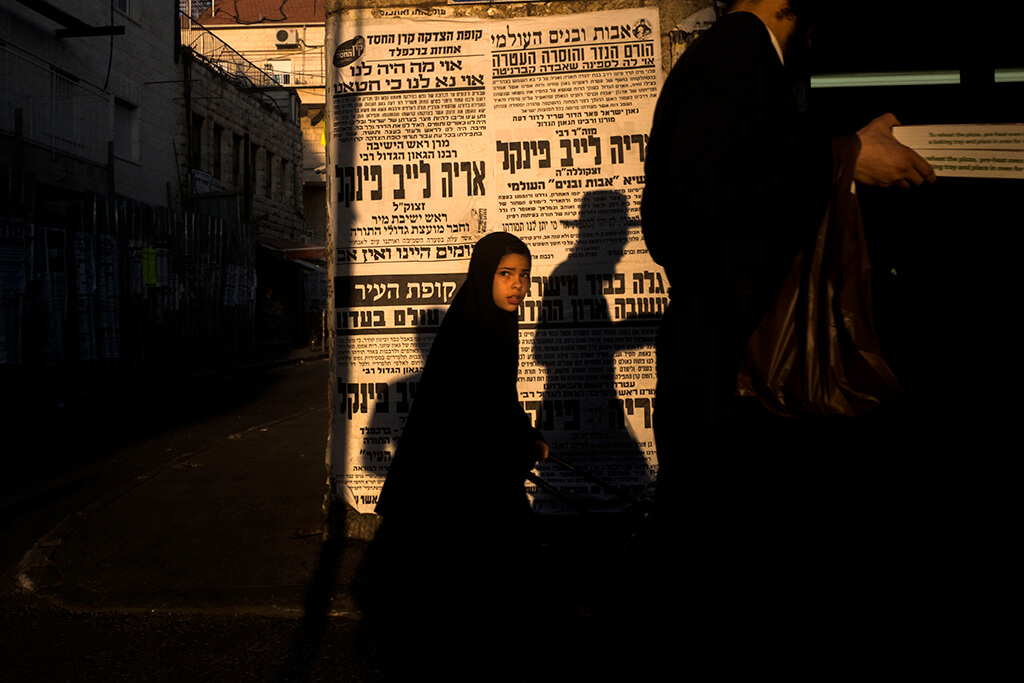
column 233, row 528
column 233, row 533
column 236, row 529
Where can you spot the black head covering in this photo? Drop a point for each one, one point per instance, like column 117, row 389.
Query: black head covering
column 473, row 313
column 467, row 430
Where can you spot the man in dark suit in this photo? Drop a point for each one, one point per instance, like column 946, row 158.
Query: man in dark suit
column 735, row 183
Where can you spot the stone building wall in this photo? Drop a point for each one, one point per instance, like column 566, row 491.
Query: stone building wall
column 224, row 120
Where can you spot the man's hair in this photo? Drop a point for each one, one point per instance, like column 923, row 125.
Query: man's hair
column 803, row 8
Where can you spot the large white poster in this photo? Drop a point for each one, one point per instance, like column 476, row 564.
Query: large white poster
column 442, row 130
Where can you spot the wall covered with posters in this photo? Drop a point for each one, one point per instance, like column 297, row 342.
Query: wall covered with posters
column 445, row 127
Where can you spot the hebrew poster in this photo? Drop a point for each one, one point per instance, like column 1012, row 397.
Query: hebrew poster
column 444, row 129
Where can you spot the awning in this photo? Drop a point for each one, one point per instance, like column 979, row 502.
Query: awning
column 294, row 251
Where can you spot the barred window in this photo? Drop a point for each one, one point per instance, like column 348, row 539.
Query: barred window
column 268, row 174
column 126, row 131
column 65, row 130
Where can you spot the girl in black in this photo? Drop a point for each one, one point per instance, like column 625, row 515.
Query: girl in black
column 453, row 548
column 467, row 444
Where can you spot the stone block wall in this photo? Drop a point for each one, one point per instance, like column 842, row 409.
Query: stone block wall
column 213, row 134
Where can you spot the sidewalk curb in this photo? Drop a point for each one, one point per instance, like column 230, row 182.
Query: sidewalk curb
column 37, row 572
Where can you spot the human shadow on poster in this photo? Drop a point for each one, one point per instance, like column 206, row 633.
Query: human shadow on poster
column 589, row 341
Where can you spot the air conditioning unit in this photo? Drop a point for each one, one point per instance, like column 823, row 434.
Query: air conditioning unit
column 286, row 38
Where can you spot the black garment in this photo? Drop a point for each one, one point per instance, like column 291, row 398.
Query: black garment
column 451, row 560
column 772, row 534
column 734, row 186
column 467, row 444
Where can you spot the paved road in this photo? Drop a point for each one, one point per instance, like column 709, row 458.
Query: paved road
column 119, row 604
column 97, row 447
column 85, row 447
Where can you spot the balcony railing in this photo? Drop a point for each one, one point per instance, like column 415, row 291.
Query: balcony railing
column 62, row 114
column 224, row 59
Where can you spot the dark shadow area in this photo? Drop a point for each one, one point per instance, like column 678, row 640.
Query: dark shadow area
column 380, row 587
column 73, row 448
column 273, row 325
column 943, row 261
column 309, row 637
column 591, row 564
column 76, row 428
column 576, row 343
column 557, row 607
column 450, row 596
column 435, row 591
column 452, row 601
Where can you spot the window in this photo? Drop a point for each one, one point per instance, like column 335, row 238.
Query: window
column 236, row 160
column 268, row 173
column 196, row 144
column 251, row 167
column 218, row 151
column 279, row 195
column 126, row 131
column 280, row 70
column 65, row 131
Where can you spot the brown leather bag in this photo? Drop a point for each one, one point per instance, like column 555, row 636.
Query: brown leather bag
column 816, row 352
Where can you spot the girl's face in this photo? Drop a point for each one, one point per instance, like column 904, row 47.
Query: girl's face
column 511, row 281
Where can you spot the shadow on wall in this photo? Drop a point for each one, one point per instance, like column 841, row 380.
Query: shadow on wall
column 573, row 322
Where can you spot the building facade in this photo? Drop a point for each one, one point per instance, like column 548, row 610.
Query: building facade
column 286, row 40
column 140, row 161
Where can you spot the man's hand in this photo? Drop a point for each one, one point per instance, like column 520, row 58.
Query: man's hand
column 884, row 162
